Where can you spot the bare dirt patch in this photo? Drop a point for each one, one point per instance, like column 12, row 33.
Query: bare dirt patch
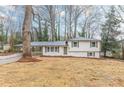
column 62, row 72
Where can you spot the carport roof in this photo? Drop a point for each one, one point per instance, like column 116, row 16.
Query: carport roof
column 54, row 43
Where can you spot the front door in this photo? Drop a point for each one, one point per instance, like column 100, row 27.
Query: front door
column 65, row 50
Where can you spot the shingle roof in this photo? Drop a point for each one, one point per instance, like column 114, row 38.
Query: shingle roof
column 84, row 39
column 55, row 43
column 58, row 43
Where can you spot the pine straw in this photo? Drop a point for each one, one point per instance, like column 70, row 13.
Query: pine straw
column 29, row 59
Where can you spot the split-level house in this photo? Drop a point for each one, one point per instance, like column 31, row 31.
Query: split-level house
column 78, row 47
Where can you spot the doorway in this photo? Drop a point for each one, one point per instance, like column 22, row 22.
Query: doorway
column 65, row 50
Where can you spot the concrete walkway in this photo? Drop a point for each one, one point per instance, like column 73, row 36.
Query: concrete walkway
column 10, row 58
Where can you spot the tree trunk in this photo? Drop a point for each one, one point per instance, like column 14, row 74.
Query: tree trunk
column 59, row 28
column 122, row 51
column 26, row 31
column 51, row 10
column 70, row 23
column 75, row 28
column 53, row 24
column 40, row 37
column 65, row 19
column 11, row 40
column 123, row 54
column 104, row 53
column 2, row 40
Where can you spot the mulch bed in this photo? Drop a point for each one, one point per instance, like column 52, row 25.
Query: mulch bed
column 29, row 59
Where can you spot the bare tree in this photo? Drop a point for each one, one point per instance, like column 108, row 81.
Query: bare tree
column 26, row 31
column 91, row 21
column 77, row 12
column 52, row 16
column 65, row 22
column 70, row 10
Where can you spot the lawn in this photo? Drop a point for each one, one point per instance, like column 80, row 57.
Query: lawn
column 60, row 72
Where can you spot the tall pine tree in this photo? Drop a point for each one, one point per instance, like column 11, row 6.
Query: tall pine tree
column 45, row 32
column 1, row 36
column 110, row 30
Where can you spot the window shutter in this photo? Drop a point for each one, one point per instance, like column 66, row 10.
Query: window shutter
column 58, row 49
column 72, row 44
column 78, row 43
column 90, row 43
column 96, row 44
column 47, row 49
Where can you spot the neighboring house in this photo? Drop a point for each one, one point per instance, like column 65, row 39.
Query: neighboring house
column 5, row 47
column 78, row 47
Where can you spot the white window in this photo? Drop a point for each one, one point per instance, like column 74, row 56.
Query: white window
column 52, row 49
column 75, row 44
column 90, row 54
column 56, row 49
column 46, row 49
column 93, row 44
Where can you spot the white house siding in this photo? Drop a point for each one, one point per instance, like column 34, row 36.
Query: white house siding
column 84, row 47
column 60, row 53
column 77, row 54
column 82, row 54
column 97, row 54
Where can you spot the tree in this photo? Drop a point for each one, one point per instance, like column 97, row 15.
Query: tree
column 77, row 12
column 91, row 21
column 58, row 18
column 70, row 12
column 65, row 23
column 45, row 32
column 1, row 35
column 40, row 30
column 26, row 31
column 110, row 30
column 52, row 17
column 121, row 8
